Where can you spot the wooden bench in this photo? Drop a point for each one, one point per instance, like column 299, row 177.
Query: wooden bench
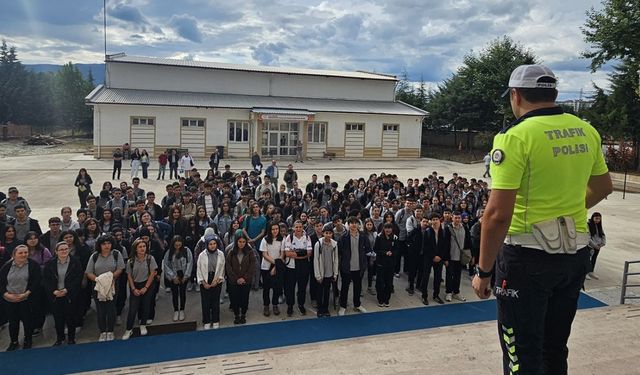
column 329, row 155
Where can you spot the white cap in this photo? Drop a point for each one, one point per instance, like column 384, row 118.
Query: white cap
column 528, row 76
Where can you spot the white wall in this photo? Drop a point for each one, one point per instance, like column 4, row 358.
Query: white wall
column 115, row 121
column 410, row 128
column 172, row 78
column 111, row 126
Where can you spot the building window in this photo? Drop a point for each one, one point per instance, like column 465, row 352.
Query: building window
column 352, row 126
column 317, row 132
column 193, row 122
column 390, row 127
column 143, row 121
column 238, row 131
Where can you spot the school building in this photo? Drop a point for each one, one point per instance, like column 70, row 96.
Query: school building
column 157, row 104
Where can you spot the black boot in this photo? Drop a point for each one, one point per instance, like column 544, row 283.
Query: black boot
column 236, row 320
column 13, row 346
column 243, row 319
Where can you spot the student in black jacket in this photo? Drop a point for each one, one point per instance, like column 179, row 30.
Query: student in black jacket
column 385, row 247
column 352, row 263
column 62, row 279
column 435, row 252
column 16, row 286
column 415, row 243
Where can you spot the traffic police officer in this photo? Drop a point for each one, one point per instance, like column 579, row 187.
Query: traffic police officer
column 547, row 170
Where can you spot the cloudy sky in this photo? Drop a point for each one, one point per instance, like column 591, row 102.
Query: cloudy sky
column 427, row 38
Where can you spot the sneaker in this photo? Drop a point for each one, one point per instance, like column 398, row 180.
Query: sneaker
column 361, row 309
column 118, row 320
column 58, row 343
column 371, row 291
column 276, row 310
column 302, row 310
column 593, row 276
column 410, row 291
column 425, row 301
column 13, row 346
column 149, row 322
column 380, row 304
column 207, row 326
column 386, row 304
column 143, row 330
column 110, row 336
column 265, row 311
column 438, row 299
column 175, row 316
column 215, row 325
column 127, row 334
column 459, row 297
column 448, row 297
column 397, row 275
column 27, row 345
column 342, row 311
column 167, row 290
column 181, row 315
column 71, row 341
column 103, row 337
column 36, row 332
column 587, row 277
column 289, row 311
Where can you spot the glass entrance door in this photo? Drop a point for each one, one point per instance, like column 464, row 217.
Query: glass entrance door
column 279, row 138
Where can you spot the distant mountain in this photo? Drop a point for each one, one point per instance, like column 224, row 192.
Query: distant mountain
column 96, row 69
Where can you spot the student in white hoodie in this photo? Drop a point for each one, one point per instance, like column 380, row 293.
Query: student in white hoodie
column 210, row 274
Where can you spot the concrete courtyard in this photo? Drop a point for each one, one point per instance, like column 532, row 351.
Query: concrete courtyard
column 47, row 183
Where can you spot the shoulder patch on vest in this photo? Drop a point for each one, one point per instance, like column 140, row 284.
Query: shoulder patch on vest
column 497, row 156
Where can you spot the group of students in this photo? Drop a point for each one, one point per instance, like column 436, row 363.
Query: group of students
column 231, row 233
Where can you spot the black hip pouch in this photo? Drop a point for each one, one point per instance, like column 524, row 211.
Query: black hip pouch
column 210, row 276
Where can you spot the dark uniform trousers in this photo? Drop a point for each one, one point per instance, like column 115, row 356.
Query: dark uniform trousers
column 64, row 314
column 437, row 277
column 537, row 297
column 300, row 277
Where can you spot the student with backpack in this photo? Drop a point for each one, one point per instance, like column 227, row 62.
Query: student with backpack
column 104, row 268
column 141, row 272
column 297, row 250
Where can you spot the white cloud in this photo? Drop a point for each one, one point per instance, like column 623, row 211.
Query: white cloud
column 428, row 38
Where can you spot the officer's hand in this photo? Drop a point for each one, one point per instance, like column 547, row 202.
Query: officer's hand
column 481, row 287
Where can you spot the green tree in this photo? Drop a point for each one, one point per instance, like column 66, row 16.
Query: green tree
column 471, row 98
column 613, row 34
column 404, row 91
column 71, row 89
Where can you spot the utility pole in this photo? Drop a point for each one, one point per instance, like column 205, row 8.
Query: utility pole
column 104, row 19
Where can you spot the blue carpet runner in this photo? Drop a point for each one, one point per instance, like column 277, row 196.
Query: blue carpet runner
column 180, row 346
